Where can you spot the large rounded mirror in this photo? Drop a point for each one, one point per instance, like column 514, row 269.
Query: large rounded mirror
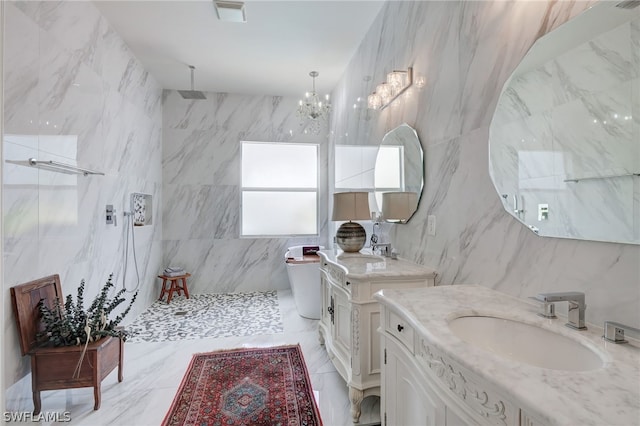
column 565, row 138
column 399, row 174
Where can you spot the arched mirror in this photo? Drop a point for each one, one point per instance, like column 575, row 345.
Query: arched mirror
column 399, row 174
column 565, row 137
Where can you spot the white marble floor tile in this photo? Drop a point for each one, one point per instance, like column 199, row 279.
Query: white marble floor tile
column 153, row 372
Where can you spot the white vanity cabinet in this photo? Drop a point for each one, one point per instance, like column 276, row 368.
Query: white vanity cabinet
column 422, row 388
column 430, row 376
column 350, row 315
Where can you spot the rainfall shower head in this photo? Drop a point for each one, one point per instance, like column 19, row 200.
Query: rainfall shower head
column 192, row 94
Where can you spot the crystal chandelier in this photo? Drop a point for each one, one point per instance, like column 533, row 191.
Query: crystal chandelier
column 312, row 111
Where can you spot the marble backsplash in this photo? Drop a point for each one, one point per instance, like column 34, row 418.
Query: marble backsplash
column 201, row 189
column 462, row 54
column 74, row 93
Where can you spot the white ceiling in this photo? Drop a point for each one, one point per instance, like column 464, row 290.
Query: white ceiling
column 271, row 54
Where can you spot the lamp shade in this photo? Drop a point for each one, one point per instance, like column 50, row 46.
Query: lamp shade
column 351, row 206
column 399, row 205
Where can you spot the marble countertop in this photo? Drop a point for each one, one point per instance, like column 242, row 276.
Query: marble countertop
column 606, row 396
column 365, row 265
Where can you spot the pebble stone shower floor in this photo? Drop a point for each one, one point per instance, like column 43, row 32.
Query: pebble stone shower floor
column 208, row 315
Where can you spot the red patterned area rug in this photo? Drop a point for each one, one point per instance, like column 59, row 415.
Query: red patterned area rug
column 258, row 386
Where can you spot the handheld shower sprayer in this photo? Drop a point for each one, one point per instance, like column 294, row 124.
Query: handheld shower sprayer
column 128, row 215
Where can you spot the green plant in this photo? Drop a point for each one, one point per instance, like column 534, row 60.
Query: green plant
column 70, row 324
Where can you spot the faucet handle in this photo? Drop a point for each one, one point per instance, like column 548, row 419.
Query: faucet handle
column 547, row 309
column 385, row 249
column 614, row 331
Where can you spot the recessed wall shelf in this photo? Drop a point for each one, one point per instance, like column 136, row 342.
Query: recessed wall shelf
column 142, row 209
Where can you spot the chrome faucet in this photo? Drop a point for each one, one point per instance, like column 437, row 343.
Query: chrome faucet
column 385, row 249
column 577, row 306
column 614, row 331
column 548, row 309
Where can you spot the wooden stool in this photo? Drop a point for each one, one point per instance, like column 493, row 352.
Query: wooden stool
column 174, row 286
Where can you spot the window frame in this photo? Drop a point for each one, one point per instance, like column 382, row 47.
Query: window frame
column 242, row 189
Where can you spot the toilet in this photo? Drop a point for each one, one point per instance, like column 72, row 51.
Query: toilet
column 303, row 269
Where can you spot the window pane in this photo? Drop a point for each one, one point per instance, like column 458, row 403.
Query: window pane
column 388, row 172
column 354, row 166
column 279, row 213
column 285, row 165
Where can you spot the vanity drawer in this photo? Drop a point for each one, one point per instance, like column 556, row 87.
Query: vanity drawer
column 399, row 329
column 334, row 274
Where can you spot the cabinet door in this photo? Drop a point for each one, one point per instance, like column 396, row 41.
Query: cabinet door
column 325, row 287
column 453, row 419
column 342, row 323
column 406, row 401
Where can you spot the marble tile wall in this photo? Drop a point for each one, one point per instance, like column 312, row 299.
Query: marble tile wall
column 201, row 189
column 74, row 93
column 573, row 117
column 462, row 54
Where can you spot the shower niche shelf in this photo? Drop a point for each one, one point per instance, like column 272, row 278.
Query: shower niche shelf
column 142, row 209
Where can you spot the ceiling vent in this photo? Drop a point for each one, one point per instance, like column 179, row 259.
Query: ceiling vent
column 230, row 11
column 628, row 4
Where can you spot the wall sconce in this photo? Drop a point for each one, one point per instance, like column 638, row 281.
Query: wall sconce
column 351, row 236
column 386, row 92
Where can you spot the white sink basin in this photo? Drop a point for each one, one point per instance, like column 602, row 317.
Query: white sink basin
column 525, row 343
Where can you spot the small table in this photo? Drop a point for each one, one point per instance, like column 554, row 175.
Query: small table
column 174, row 286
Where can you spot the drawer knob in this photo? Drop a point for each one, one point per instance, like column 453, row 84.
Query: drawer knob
column 348, row 283
column 400, row 328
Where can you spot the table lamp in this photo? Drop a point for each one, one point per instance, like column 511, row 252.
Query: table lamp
column 351, row 236
column 398, row 206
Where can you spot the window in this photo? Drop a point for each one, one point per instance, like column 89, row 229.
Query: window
column 279, row 189
column 354, row 167
column 375, row 169
column 389, row 172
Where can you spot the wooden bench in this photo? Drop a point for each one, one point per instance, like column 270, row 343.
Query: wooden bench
column 53, row 367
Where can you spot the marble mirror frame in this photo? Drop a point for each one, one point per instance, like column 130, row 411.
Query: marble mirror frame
column 399, row 167
column 564, row 141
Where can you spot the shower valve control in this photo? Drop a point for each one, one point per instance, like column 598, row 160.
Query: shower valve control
column 110, row 215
